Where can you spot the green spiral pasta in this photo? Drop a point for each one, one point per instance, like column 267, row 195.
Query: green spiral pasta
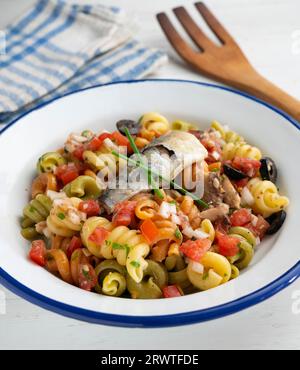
column 247, row 245
column 49, row 161
column 182, row 126
column 217, row 271
column 104, row 268
column 83, row 187
column 106, row 163
column 154, row 279
column 35, row 211
column 227, row 135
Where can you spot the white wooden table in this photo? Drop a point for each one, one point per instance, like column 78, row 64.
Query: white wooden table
column 269, row 31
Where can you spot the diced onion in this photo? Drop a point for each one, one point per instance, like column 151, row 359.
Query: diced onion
column 47, row 232
column 200, row 234
column 110, row 144
column 176, row 219
column 188, row 231
column 74, row 217
column 254, row 220
column 40, row 226
column 246, row 197
column 78, row 138
column 166, row 209
column 196, row 267
column 216, row 155
column 257, row 241
column 197, row 234
column 56, row 195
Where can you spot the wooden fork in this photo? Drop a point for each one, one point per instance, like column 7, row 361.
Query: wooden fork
column 226, row 63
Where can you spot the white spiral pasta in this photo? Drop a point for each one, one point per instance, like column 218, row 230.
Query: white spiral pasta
column 127, row 246
column 231, row 150
column 217, row 271
column 88, row 228
column 208, row 228
column 153, row 125
column 267, row 200
column 107, row 163
column 65, row 219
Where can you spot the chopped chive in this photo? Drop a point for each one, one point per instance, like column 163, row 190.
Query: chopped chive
column 178, row 234
column 117, row 246
column 141, row 161
column 205, row 276
column 61, row 216
column 85, row 133
column 135, row 264
column 173, row 202
column 197, row 200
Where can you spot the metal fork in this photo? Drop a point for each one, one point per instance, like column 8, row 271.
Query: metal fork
column 226, row 63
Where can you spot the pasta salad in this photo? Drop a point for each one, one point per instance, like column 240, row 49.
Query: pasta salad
column 155, row 209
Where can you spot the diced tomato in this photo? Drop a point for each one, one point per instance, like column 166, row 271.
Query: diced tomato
column 105, row 135
column 78, row 152
column 149, row 231
column 240, row 217
column 124, row 213
column 99, row 235
column 246, row 165
column 260, row 228
column 215, row 167
column 69, row 176
column 228, row 245
column 122, row 140
column 37, row 252
column 94, row 144
column 214, row 150
column 195, row 250
column 75, row 243
column 171, row 291
column 240, row 184
column 90, row 207
column 67, row 172
column 87, row 277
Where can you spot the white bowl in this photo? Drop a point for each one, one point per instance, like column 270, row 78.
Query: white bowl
column 277, row 260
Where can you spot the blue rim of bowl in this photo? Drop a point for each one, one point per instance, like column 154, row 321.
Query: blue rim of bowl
column 162, row 320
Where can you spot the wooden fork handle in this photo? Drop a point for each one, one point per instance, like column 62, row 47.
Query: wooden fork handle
column 257, row 85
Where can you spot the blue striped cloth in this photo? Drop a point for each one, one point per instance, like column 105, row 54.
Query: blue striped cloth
column 57, row 47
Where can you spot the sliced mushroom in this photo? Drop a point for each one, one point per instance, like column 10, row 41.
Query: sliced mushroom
column 215, row 213
column 231, row 196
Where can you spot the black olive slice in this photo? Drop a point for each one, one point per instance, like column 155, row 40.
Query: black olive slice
column 233, row 173
column 133, row 127
column 268, row 169
column 276, row 221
